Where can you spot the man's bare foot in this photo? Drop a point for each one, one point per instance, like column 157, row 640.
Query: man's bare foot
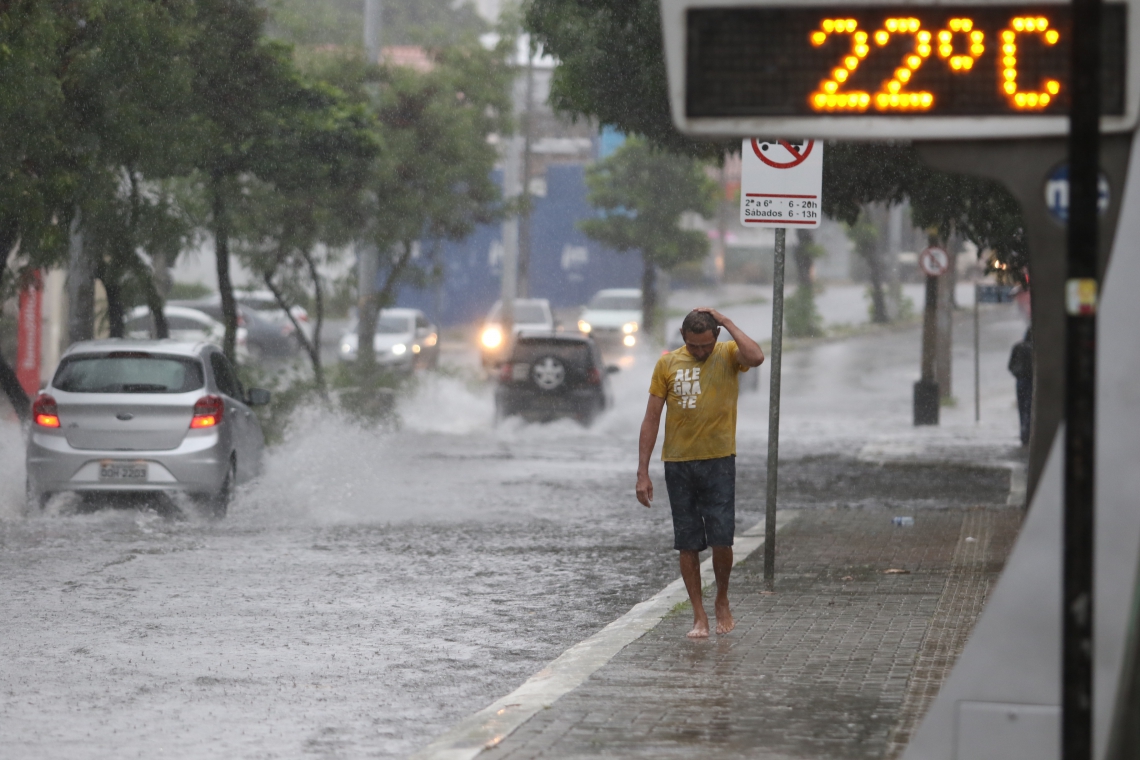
column 724, row 621
column 700, row 629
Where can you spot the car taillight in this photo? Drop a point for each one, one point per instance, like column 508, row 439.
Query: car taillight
column 593, row 376
column 45, row 412
column 207, row 412
column 505, row 373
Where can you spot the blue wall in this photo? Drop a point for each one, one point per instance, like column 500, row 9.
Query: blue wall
column 565, row 266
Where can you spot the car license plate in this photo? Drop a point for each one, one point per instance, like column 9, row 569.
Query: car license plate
column 122, row 472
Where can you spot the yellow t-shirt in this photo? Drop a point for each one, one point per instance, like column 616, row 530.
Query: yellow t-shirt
column 700, row 402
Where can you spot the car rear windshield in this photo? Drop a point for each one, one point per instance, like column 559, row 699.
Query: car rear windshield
column 570, row 352
column 603, row 302
column 128, row 372
column 525, row 314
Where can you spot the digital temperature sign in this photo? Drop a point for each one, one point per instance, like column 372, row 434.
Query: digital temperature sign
column 992, row 60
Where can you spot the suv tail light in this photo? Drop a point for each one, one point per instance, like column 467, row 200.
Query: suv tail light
column 593, row 376
column 45, row 412
column 505, row 372
column 207, row 412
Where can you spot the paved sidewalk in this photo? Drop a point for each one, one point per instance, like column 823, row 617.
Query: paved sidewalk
column 839, row 661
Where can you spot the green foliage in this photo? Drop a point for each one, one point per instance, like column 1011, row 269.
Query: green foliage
column 612, row 69
column 642, row 192
column 801, row 318
column 403, row 22
column 189, row 291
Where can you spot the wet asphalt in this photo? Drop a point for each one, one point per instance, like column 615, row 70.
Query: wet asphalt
column 376, row 586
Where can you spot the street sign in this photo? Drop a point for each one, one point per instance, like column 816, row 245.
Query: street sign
column 888, row 70
column 1057, row 193
column 781, row 183
column 934, row 261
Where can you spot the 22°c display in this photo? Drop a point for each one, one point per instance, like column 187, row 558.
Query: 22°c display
column 947, row 61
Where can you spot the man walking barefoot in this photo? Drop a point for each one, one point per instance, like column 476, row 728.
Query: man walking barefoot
column 699, row 382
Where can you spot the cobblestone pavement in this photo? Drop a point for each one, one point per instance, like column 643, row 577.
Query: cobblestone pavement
column 838, row 661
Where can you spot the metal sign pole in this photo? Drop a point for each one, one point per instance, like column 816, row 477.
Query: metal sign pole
column 977, row 358
column 774, row 407
column 1080, row 385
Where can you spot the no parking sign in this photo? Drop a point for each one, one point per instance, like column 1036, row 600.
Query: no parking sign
column 781, row 182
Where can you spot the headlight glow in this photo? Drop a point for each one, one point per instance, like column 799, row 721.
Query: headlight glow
column 399, row 349
column 629, row 340
column 416, row 348
column 584, row 326
column 431, row 340
column 629, row 328
column 492, row 337
column 345, row 348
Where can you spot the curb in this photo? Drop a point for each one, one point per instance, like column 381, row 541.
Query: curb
column 494, row 723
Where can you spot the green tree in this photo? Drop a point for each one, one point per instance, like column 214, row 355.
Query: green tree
column 433, row 180
column 612, row 69
column 312, row 203
column 802, row 318
column 404, row 22
column 642, row 192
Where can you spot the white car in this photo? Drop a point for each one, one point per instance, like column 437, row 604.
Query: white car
column 184, row 324
column 530, row 314
column 404, row 340
column 613, row 317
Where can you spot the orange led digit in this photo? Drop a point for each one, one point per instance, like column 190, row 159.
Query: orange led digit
column 828, row 97
column 1020, row 99
column 891, row 96
column 975, row 38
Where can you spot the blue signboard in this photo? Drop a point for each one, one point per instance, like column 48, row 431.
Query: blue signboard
column 1057, row 193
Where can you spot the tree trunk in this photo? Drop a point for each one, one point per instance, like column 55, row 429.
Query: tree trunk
column 879, row 313
column 319, row 304
column 113, row 287
column 9, row 380
column 222, row 257
column 648, row 297
column 312, row 348
column 80, row 285
column 802, row 253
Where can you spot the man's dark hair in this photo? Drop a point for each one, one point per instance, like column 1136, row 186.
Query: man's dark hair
column 698, row 322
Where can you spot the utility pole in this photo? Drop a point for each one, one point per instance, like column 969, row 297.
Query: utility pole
column 524, row 213
column 367, row 253
column 1081, row 295
column 372, row 27
column 513, row 149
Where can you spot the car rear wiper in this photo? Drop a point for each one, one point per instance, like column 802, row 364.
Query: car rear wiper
column 142, row 387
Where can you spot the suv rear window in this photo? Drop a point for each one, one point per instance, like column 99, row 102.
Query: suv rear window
column 570, row 352
column 128, row 372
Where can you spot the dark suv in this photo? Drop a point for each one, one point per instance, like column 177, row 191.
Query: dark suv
column 553, row 375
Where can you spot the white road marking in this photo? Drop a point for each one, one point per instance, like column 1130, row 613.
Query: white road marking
column 494, row 723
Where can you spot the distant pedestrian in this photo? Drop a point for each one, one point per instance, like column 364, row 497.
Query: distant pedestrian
column 1021, row 367
column 699, row 383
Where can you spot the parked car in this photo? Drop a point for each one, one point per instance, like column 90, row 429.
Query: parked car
column 613, row 317
column 405, row 339
column 265, row 304
column 154, row 415
column 749, row 381
column 184, row 324
column 263, row 337
column 530, row 314
column 551, row 375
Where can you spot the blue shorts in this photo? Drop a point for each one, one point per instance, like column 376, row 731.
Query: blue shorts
column 702, row 495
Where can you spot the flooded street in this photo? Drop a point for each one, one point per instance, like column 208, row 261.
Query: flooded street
column 374, row 587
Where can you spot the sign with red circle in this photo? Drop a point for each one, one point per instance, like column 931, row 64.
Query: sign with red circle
column 934, row 261
column 782, row 154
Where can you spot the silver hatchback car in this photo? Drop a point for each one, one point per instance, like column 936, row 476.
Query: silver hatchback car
column 144, row 415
